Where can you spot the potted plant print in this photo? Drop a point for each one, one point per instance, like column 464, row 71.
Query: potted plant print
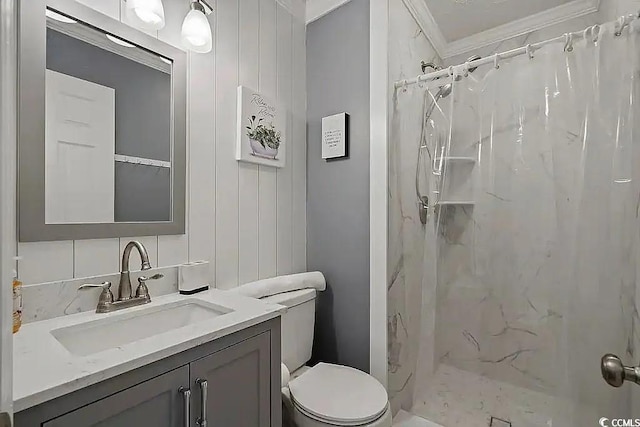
column 263, row 138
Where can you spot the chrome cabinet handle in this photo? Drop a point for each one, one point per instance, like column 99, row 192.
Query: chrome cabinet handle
column 186, row 397
column 202, row 421
column 615, row 373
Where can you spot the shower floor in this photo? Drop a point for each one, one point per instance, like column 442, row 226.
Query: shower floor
column 455, row 398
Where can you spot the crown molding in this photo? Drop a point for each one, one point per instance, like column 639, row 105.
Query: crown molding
column 316, row 9
column 420, row 11
column 295, row 7
column 427, row 23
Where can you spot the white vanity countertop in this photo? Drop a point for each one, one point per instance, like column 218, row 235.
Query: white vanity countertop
column 44, row 369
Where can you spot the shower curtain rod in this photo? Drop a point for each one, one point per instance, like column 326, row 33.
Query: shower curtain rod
column 567, row 38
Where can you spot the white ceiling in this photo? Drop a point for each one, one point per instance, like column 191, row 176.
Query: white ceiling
column 463, row 18
column 455, row 27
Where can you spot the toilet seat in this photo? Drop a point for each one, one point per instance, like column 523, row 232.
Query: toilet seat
column 339, row 395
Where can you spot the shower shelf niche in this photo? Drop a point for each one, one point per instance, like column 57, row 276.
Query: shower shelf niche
column 456, row 159
column 455, row 202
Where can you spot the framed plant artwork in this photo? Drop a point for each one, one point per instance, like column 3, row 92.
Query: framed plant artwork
column 261, row 136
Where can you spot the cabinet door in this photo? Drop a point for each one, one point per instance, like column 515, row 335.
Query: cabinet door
column 156, row 403
column 238, row 385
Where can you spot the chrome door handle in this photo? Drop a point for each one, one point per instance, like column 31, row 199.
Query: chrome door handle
column 186, row 398
column 202, row 421
column 615, row 373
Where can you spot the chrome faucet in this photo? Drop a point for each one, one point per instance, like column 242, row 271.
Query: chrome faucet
column 125, row 299
column 124, row 289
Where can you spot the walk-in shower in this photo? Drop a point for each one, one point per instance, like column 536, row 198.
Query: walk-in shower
column 527, row 176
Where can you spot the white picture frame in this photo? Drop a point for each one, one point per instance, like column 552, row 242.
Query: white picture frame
column 261, row 130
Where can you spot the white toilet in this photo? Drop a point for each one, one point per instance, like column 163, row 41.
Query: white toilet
column 326, row 394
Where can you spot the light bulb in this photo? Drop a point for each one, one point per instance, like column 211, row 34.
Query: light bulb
column 146, row 14
column 196, row 31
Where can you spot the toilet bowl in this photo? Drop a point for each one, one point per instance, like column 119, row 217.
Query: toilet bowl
column 335, row 395
column 326, row 394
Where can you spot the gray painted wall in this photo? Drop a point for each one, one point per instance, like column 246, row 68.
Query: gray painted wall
column 338, row 190
column 143, row 121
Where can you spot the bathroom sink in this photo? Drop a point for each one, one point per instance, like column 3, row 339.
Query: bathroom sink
column 124, row 328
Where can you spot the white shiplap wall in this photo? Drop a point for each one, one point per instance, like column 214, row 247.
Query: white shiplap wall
column 249, row 221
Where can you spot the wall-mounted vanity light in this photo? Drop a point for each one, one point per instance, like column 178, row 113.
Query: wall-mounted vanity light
column 196, row 31
column 146, row 14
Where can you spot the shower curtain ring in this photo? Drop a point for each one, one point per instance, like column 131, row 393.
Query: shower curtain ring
column 530, row 51
column 620, row 24
column 451, row 71
column 466, row 69
column 496, row 60
column 568, row 42
column 595, row 32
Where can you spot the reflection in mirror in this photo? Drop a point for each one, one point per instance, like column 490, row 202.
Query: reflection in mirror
column 108, row 128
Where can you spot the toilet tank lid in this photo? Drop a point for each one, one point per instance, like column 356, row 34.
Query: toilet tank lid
column 291, row 299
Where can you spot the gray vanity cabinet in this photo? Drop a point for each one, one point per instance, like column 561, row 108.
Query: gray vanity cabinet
column 237, row 384
column 156, row 402
column 236, row 376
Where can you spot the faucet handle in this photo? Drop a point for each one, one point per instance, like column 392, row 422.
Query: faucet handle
column 156, row 276
column 142, row 291
column 106, row 296
column 106, row 286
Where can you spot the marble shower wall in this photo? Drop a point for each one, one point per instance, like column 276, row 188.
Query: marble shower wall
column 537, row 280
column 408, row 47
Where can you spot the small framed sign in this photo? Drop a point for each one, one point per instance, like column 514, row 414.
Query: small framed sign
column 335, row 136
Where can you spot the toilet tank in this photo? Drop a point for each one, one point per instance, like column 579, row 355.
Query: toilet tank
column 297, row 325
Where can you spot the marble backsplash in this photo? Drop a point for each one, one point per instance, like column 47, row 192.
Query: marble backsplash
column 44, row 301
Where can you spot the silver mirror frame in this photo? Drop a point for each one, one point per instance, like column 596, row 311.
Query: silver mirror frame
column 32, row 26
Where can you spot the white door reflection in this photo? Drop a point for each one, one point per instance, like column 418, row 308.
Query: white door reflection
column 80, row 149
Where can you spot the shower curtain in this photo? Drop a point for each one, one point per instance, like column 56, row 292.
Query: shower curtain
column 526, row 270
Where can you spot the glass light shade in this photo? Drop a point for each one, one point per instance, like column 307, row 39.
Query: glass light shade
column 196, row 32
column 146, row 14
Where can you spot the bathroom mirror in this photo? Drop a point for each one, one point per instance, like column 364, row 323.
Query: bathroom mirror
column 102, row 111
